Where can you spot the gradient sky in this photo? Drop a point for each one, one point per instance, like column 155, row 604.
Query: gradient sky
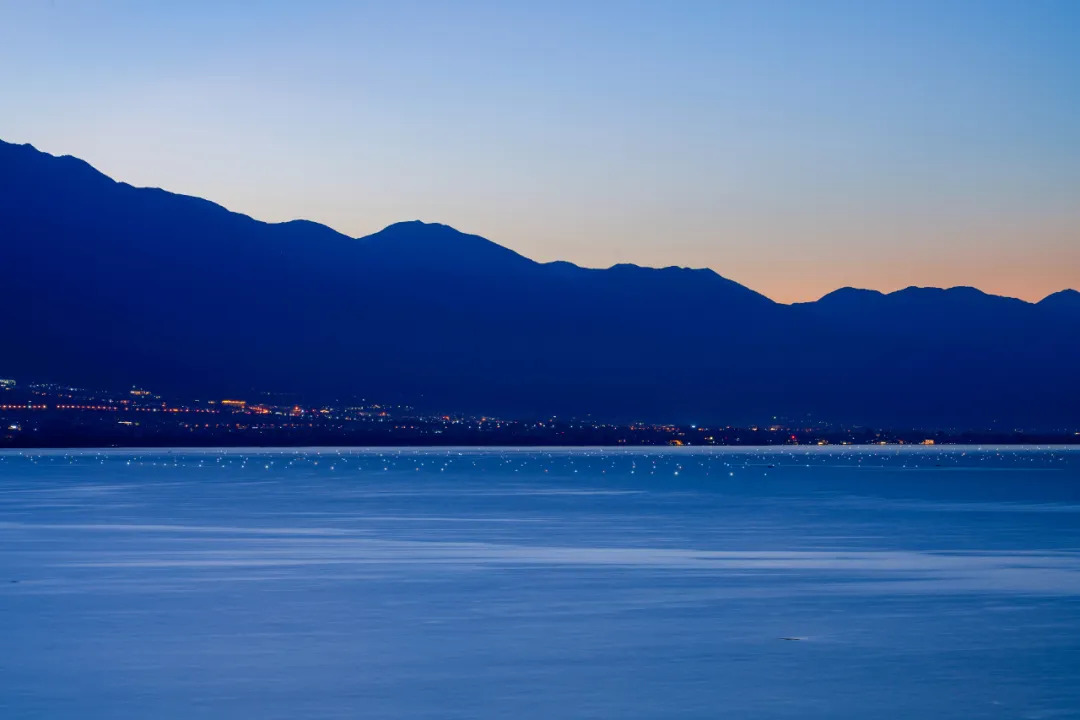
column 795, row 147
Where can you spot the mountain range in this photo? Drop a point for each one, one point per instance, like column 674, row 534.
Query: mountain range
column 105, row 284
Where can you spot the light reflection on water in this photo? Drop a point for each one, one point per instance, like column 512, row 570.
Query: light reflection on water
column 446, row 583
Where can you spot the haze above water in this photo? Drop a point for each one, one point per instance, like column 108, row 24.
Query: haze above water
column 463, row 583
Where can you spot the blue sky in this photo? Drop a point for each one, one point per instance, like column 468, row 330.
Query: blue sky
column 792, row 146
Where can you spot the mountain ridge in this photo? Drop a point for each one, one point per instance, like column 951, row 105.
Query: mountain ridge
column 390, row 230
column 115, row 285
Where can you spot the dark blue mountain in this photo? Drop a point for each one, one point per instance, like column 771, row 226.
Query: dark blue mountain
column 1065, row 302
column 106, row 284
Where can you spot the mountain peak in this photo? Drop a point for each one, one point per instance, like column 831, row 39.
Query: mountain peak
column 413, row 225
column 1067, row 299
column 437, row 245
column 956, row 291
column 419, row 228
column 35, row 165
column 850, row 294
column 1067, row 293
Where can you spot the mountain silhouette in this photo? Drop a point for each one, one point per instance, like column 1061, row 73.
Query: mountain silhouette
column 105, row 284
column 1065, row 301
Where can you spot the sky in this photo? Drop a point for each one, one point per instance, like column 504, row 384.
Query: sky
column 795, row 147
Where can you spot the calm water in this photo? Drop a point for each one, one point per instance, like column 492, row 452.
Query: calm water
column 939, row 583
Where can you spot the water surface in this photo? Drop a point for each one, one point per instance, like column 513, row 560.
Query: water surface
column 464, row 583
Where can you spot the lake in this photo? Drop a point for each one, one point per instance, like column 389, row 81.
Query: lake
column 835, row 582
